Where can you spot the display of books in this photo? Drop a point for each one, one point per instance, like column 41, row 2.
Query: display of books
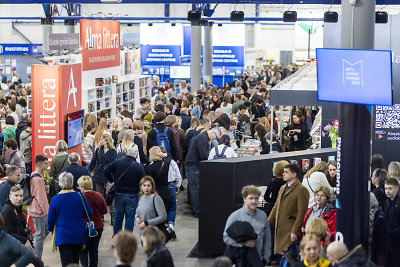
column 115, row 78
column 99, row 93
column 118, row 88
column 305, row 165
column 316, row 161
column 107, row 102
column 91, row 95
column 99, row 81
column 107, row 80
column 108, row 91
column 91, row 107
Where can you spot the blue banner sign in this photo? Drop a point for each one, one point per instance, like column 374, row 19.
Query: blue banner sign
column 20, row 49
column 160, row 54
column 232, row 56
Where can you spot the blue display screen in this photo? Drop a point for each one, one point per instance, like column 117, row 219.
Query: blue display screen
column 355, row 76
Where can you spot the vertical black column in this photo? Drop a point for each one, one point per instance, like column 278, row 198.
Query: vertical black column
column 358, row 31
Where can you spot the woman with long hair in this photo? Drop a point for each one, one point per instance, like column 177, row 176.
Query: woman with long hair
column 377, row 162
column 103, row 155
column 157, row 255
column 214, row 102
column 298, row 133
column 226, row 105
column 127, row 142
column 394, row 170
column 332, row 168
column 88, row 144
column 116, row 128
column 151, row 209
column 101, row 130
column 315, row 178
column 195, row 108
column 158, row 169
column 379, row 176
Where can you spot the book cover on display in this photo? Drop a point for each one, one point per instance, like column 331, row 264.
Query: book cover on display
column 331, row 158
column 316, row 161
column 305, row 165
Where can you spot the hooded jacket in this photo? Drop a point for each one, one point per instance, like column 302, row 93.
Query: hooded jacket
column 25, row 144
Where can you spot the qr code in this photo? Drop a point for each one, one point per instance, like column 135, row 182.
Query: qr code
column 387, row 117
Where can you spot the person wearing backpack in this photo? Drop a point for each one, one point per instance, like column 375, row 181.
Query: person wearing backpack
column 13, row 175
column 160, row 135
column 39, row 207
column 223, row 150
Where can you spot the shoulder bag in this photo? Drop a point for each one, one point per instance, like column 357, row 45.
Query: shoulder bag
column 164, row 227
column 90, row 224
column 111, row 193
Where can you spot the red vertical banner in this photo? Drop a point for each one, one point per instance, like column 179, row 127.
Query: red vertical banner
column 100, row 42
column 47, row 126
column 56, row 92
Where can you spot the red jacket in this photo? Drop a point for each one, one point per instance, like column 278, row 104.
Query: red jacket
column 329, row 215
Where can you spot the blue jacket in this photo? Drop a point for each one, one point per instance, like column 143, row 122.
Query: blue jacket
column 99, row 161
column 67, row 215
column 196, row 112
column 77, row 171
column 129, row 183
column 186, row 119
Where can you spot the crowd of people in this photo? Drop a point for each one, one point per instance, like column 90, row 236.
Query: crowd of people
column 132, row 167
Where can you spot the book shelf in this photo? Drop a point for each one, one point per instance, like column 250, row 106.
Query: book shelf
column 118, row 96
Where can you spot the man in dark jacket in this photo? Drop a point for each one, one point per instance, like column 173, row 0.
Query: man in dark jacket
column 13, row 175
column 75, row 169
column 21, row 127
column 186, row 119
column 159, row 124
column 198, row 151
column 126, row 174
column 392, row 216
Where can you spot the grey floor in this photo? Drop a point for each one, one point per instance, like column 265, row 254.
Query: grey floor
column 186, row 230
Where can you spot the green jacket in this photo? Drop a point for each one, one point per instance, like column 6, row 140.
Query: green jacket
column 58, row 163
column 9, row 133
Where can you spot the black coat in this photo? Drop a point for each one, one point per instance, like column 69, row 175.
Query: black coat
column 392, row 215
column 356, row 258
column 20, row 128
column 379, row 239
column 14, row 222
column 241, row 231
column 272, row 192
column 77, row 171
column 159, row 172
column 380, row 195
column 139, row 142
column 186, row 119
column 160, row 257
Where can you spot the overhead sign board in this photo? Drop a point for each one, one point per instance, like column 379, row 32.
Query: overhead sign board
column 20, row 49
column 60, row 41
column 160, row 54
column 100, row 42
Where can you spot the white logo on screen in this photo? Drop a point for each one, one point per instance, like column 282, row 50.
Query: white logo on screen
column 72, row 89
column 353, row 73
column 1, row 49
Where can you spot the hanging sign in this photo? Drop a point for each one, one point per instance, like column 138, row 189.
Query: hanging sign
column 100, row 42
column 160, row 54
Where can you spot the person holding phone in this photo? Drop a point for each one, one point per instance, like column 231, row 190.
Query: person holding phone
column 297, row 133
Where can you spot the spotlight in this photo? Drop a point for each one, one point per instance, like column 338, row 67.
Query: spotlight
column 237, row 15
column 381, row 17
column 194, row 15
column 289, row 16
column 150, row 24
column 331, row 16
column 129, row 25
column 219, row 24
column 173, row 24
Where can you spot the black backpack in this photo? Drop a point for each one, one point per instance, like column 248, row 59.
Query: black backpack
column 222, row 155
column 25, row 184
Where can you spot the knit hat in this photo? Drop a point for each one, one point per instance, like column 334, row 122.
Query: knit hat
column 148, row 117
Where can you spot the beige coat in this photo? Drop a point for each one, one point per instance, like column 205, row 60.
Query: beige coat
column 287, row 215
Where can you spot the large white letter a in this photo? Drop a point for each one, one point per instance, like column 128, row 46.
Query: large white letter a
column 72, row 89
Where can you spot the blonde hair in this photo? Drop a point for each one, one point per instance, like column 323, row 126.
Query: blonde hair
column 250, row 190
column 309, row 238
column 153, row 237
column 154, row 154
column 119, row 121
column 100, row 131
column 61, row 146
column 127, row 139
column 85, row 182
column 394, row 170
column 320, row 167
column 138, row 125
column 317, row 227
column 148, row 178
column 178, row 121
column 109, row 140
column 265, row 122
column 277, row 170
